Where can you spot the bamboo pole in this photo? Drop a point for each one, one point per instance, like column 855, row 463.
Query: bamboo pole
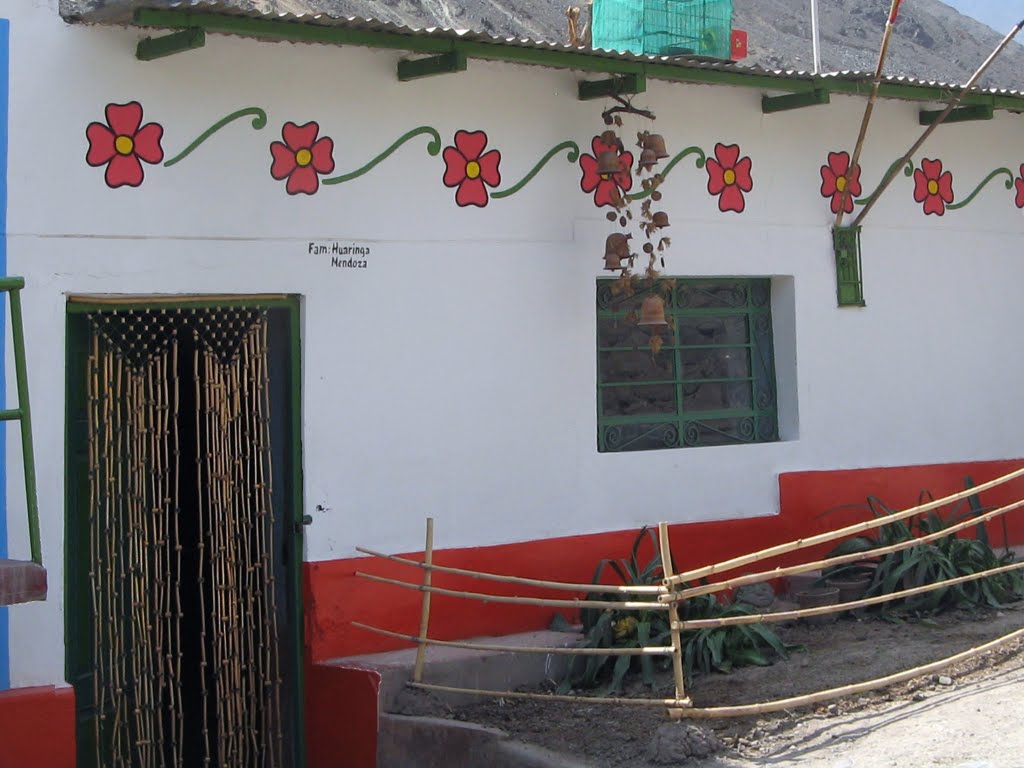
column 753, row 578
column 665, row 549
column 557, row 651
column 552, row 696
column 428, row 559
column 566, row 586
column 883, row 54
column 847, row 690
column 803, row 613
column 551, row 602
column 894, row 169
column 840, row 533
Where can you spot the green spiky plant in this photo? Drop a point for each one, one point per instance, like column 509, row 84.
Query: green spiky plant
column 705, row 650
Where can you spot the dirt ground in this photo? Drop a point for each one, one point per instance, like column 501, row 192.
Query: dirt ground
column 942, row 719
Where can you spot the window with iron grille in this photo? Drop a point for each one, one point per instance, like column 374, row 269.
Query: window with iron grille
column 712, row 382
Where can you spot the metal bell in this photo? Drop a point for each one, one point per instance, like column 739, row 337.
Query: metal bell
column 655, row 142
column 660, row 219
column 652, row 312
column 612, row 262
column 608, row 163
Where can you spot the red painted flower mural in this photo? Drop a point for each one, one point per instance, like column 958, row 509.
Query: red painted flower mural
column 1019, row 181
column 469, row 168
column 933, row 187
column 729, row 177
column 302, row 158
column 123, row 144
column 607, row 187
column 836, row 178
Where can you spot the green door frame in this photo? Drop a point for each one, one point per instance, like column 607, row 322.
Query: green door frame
column 77, row 617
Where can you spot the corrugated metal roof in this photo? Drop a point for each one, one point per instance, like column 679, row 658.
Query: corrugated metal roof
column 122, row 11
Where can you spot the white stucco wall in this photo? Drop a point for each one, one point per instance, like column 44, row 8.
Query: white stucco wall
column 455, row 376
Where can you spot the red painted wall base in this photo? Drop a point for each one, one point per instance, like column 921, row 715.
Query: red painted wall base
column 37, row 728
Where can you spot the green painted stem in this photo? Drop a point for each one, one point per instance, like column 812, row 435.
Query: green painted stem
column 572, row 157
column 434, row 147
column 908, row 171
column 701, row 161
column 259, row 122
column 974, row 194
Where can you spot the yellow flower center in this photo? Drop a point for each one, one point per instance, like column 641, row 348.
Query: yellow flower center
column 124, row 145
column 303, row 157
column 472, row 169
column 933, row 187
column 841, row 183
column 729, row 177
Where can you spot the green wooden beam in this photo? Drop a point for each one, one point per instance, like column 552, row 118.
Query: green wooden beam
column 556, row 58
column 959, row 115
column 442, row 64
column 176, row 42
column 770, row 104
column 616, row 86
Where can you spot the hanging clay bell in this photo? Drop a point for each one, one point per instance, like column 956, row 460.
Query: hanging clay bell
column 616, row 250
column 652, row 312
column 608, row 163
column 655, row 142
column 648, row 158
column 660, row 219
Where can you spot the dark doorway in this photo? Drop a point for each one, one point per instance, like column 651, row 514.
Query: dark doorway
column 183, row 549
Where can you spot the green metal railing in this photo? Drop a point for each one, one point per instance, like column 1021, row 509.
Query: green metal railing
column 23, row 413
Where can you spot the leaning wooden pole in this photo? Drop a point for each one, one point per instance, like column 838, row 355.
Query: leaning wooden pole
column 673, row 615
column 869, row 110
column 428, row 560
column 895, row 167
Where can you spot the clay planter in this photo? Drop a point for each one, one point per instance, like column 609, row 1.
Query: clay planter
column 815, row 598
column 850, row 589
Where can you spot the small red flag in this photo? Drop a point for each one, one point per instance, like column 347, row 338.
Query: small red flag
column 895, row 11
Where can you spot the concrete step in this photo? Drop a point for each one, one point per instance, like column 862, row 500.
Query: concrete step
column 464, row 668
column 21, row 581
column 430, row 742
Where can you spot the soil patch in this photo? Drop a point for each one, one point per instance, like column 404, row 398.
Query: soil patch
column 848, row 651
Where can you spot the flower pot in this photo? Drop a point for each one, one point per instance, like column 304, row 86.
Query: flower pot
column 815, row 598
column 850, row 589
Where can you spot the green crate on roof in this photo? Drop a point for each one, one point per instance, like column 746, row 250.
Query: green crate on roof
column 664, row 27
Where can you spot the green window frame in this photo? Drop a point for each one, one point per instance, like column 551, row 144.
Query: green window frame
column 712, row 382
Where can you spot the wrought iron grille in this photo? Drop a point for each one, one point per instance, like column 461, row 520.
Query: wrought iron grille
column 712, row 382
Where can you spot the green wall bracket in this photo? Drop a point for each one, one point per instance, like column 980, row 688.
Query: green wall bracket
column 443, row 64
column 770, row 104
column 960, row 114
column 849, row 277
column 168, row 45
column 616, row 86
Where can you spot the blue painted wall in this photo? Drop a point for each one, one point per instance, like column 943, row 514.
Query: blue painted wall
column 5, row 36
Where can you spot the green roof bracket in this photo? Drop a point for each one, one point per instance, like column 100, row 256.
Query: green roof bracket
column 442, row 64
column 960, row 114
column 626, row 85
column 168, row 45
column 849, row 275
column 770, row 104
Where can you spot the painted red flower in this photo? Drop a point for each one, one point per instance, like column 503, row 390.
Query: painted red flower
column 836, row 178
column 933, row 187
column 123, row 144
column 729, row 177
column 1019, row 181
column 607, row 187
column 302, row 158
column 469, row 168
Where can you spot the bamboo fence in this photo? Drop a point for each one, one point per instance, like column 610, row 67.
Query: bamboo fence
column 673, row 591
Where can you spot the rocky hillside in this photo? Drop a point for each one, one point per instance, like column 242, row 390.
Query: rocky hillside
column 933, row 41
